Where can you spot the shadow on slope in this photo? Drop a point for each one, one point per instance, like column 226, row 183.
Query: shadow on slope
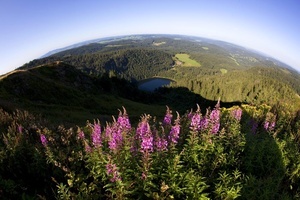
column 64, row 94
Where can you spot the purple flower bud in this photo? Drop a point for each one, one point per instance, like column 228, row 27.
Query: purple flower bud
column 215, row 121
column 168, row 117
column 175, row 130
column 43, row 140
column 123, row 120
column 88, row 149
column 272, row 126
column 81, row 135
column 96, row 135
column 195, row 123
column 111, row 170
column 174, row 134
column 266, row 125
column 116, row 138
column 161, row 144
column 269, row 123
column 237, row 114
column 145, row 135
column 190, row 115
column 203, row 123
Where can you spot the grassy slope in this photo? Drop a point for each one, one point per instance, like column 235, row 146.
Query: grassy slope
column 65, row 95
column 187, row 61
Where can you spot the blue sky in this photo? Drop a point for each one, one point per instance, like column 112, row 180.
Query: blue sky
column 31, row 28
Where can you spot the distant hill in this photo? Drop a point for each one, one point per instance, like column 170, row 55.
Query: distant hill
column 224, row 70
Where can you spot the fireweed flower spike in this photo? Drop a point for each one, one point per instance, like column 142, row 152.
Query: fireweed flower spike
column 168, row 117
column 190, row 115
column 175, row 130
column 81, row 135
column 215, row 119
column 96, row 134
column 195, row 120
column 269, row 123
column 237, row 114
column 116, row 137
column 145, row 135
column 114, row 133
column 112, row 171
column 123, row 120
column 43, row 140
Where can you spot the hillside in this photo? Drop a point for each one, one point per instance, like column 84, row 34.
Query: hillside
column 61, row 93
column 222, row 70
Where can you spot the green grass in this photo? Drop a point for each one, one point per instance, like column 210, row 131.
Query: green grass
column 223, row 71
column 186, row 60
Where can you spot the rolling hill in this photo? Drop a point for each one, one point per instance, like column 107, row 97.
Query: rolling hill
column 224, row 70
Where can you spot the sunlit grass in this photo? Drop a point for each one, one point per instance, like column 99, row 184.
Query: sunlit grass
column 223, row 71
column 186, row 60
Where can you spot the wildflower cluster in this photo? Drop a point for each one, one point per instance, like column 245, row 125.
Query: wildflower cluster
column 175, row 158
column 270, row 122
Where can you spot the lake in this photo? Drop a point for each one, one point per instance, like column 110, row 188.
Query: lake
column 153, row 83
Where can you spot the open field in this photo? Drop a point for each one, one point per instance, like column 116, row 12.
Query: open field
column 223, row 71
column 186, row 60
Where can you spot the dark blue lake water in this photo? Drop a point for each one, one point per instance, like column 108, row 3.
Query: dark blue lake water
column 153, row 83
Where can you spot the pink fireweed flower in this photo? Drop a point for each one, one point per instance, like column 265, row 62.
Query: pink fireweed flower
column 112, row 171
column 195, row 119
column 123, row 121
column 116, row 137
column 96, row 134
column 272, row 126
column 174, row 133
column 269, row 126
column 168, row 117
column 266, row 125
column 237, row 114
column 175, row 130
column 43, row 140
column 190, row 115
column 81, row 135
column 114, row 133
column 203, row 123
column 214, row 119
column 269, row 123
column 161, row 144
column 145, row 135
column 87, row 148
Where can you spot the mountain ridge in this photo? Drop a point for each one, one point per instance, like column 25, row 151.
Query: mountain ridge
column 143, row 36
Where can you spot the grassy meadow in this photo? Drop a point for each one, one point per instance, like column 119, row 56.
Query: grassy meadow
column 186, row 60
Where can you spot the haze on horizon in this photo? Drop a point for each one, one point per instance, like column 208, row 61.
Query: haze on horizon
column 30, row 29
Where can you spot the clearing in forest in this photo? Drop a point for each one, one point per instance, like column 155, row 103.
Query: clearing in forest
column 186, row 60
